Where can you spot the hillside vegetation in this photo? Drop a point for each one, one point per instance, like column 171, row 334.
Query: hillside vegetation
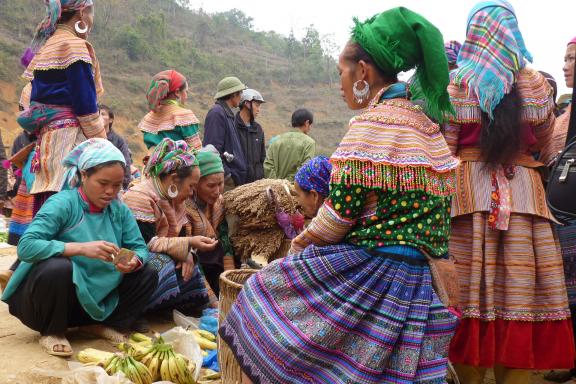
column 135, row 39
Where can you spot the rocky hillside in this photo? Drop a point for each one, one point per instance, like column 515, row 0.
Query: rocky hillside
column 134, row 39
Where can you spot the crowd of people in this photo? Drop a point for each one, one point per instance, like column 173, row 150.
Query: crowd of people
column 440, row 174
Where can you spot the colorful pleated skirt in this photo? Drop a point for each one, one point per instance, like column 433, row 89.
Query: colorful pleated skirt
column 173, row 292
column 22, row 214
column 513, row 296
column 339, row 314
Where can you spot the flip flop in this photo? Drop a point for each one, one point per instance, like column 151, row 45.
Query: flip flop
column 4, row 278
column 49, row 342
column 106, row 333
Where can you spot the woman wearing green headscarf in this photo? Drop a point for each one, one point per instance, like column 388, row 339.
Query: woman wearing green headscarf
column 353, row 302
column 157, row 202
column 205, row 211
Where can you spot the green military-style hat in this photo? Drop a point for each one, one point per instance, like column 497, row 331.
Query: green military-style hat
column 228, row 86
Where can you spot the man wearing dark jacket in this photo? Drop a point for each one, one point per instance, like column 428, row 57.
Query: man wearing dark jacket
column 219, row 130
column 251, row 134
column 108, row 117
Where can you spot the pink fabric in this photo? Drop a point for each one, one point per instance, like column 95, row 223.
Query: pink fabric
column 470, row 135
column 573, row 41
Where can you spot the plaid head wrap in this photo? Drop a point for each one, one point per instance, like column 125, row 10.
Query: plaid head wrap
column 162, row 84
column 452, row 49
column 47, row 26
column 89, row 154
column 399, row 40
column 493, row 53
column 169, row 156
column 315, row 175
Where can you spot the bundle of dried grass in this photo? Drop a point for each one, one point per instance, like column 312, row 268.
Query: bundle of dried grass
column 254, row 231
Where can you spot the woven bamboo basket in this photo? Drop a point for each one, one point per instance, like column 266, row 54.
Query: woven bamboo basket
column 231, row 283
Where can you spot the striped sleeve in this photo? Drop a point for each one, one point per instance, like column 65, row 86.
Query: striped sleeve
column 92, row 126
column 175, row 247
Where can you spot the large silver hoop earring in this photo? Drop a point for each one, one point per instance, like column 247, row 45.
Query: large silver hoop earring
column 79, row 30
column 172, row 191
column 360, row 95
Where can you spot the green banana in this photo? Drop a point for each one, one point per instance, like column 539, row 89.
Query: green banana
column 91, row 355
column 111, row 365
column 184, row 371
column 144, row 372
column 164, row 370
column 204, row 343
column 140, row 337
column 154, row 367
column 172, row 369
column 205, row 334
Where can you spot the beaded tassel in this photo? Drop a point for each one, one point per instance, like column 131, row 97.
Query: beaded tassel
column 393, row 177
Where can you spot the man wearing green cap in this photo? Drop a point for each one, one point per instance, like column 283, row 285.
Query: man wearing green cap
column 219, row 130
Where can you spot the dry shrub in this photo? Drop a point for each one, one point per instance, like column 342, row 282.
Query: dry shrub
column 252, row 220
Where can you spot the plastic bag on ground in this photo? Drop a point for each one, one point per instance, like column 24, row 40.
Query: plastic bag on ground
column 81, row 374
column 211, row 361
column 186, row 322
column 209, row 320
column 185, row 343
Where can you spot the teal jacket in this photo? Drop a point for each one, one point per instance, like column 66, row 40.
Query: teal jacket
column 65, row 218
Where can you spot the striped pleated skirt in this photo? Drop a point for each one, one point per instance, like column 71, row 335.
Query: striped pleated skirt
column 173, row 292
column 513, row 296
column 338, row 314
column 22, row 214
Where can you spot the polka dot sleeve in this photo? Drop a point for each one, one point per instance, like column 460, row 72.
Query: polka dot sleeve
column 347, row 200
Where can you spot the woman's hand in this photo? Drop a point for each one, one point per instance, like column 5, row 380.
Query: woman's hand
column 129, row 267
column 203, row 243
column 187, row 269
column 101, row 250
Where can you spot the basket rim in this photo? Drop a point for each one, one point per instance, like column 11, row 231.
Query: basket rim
column 225, row 274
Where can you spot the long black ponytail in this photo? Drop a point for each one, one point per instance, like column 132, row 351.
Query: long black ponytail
column 501, row 138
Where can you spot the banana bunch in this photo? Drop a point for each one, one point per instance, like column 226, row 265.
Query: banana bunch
column 163, row 363
column 140, row 338
column 136, row 350
column 134, row 371
column 93, row 356
column 137, row 345
column 205, row 339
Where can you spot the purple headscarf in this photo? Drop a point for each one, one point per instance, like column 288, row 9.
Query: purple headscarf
column 315, row 175
column 452, row 49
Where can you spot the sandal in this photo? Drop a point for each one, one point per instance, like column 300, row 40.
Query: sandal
column 106, row 333
column 50, row 342
column 5, row 278
column 559, row 376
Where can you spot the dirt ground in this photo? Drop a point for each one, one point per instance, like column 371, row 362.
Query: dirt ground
column 22, row 360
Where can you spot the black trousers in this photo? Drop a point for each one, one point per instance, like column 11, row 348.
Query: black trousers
column 46, row 300
column 14, row 265
column 212, row 273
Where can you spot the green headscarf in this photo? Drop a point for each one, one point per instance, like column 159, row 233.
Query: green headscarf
column 399, row 40
column 209, row 161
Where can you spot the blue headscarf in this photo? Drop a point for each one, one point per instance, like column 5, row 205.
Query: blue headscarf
column 315, row 175
column 89, row 154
